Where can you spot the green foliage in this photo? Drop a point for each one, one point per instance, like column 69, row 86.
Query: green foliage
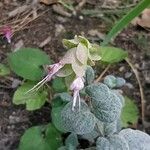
column 4, row 70
column 41, row 138
column 79, row 121
column 56, row 117
column 130, row 112
column 27, row 63
column 33, row 101
column 125, row 21
column 71, row 142
column 58, row 85
column 112, row 54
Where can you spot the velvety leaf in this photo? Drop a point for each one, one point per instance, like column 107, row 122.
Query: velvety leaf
column 36, row 138
column 113, row 142
column 137, row 140
column 65, row 71
column 130, row 112
column 91, row 136
column 106, row 104
column 89, row 75
column 33, row 101
column 82, row 53
column 64, row 96
column 58, row 85
column 112, row 54
column 110, row 81
column 4, row 70
column 71, row 142
column 56, row 117
column 27, row 63
column 120, row 82
column 78, row 121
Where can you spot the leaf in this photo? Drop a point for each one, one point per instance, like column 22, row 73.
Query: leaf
column 70, row 43
column 4, row 70
column 112, row 54
column 56, row 117
column 79, row 121
column 58, row 85
column 65, row 71
column 53, row 137
column 94, row 52
column 89, row 75
column 121, row 24
column 26, row 63
column 82, row 53
column 110, row 81
column 69, row 80
column 137, row 140
column 64, row 96
column 33, row 101
column 130, row 112
column 71, row 142
column 37, row 138
column 84, row 41
column 106, row 104
column 113, row 142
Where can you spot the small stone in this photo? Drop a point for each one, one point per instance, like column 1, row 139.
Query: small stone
column 128, row 75
column 129, row 85
column 81, row 17
column 121, row 69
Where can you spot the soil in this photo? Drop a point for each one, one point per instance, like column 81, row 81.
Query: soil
column 15, row 119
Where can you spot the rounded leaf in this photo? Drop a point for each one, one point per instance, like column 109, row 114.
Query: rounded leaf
column 110, row 81
column 79, row 121
column 33, row 101
column 27, row 63
column 89, row 75
column 137, row 140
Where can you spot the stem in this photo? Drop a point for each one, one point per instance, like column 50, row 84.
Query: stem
column 141, row 90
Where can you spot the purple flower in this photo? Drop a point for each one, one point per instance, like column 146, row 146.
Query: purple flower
column 52, row 70
column 7, row 32
column 76, row 86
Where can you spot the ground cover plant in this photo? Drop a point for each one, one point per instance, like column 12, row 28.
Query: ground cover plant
column 82, row 108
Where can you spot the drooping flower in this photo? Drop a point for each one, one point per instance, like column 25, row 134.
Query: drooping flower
column 51, row 70
column 76, row 86
column 7, row 32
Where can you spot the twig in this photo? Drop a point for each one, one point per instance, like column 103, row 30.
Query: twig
column 141, row 90
column 102, row 74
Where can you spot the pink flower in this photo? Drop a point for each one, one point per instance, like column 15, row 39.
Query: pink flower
column 76, row 86
column 52, row 70
column 7, row 32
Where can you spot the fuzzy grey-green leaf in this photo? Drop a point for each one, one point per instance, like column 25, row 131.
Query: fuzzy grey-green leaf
column 79, row 121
